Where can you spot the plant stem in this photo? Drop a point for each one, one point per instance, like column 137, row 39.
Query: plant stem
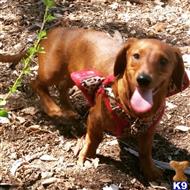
column 27, row 60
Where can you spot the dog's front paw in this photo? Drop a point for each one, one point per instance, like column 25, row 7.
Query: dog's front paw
column 70, row 115
column 80, row 162
column 86, row 152
column 152, row 173
column 79, row 145
column 66, row 117
column 54, row 111
column 81, row 158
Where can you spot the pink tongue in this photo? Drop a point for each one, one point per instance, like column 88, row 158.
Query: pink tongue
column 141, row 101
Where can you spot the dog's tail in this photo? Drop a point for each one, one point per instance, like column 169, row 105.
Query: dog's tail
column 14, row 59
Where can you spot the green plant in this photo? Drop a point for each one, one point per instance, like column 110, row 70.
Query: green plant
column 31, row 52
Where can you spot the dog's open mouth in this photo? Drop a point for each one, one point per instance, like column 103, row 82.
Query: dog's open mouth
column 142, row 100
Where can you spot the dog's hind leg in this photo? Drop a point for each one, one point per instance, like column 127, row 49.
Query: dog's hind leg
column 52, row 71
column 48, row 104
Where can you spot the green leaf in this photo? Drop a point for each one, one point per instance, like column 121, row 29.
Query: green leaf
column 2, row 102
column 49, row 18
column 40, row 49
column 32, row 50
column 3, row 113
column 42, row 34
column 27, row 70
column 49, row 3
column 13, row 89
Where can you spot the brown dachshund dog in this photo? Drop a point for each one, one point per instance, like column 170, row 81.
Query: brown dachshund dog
column 142, row 70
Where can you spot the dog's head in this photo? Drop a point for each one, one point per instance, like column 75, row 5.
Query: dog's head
column 148, row 65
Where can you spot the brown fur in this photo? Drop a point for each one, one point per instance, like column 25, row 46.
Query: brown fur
column 69, row 50
column 13, row 58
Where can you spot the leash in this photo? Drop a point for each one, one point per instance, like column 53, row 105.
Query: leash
column 161, row 164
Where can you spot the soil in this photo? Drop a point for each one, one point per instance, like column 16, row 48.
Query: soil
column 37, row 152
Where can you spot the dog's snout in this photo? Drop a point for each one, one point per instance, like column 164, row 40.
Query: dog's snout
column 143, row 79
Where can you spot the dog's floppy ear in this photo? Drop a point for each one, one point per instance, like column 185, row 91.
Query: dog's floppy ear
column 179, row 70
column 121, row 59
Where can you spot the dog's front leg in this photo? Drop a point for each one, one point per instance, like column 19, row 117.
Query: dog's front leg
column 145, row 156
column 93, row 137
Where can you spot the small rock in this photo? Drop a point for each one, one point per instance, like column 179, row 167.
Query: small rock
column 41, row 187
column 46, row 174
column 1, row 45
column 170, row 105
column 96, row 162
column 34, row 127
column 4, row 120
column 68, row 165
column 30, row 39
column 87, row 164
column 68, row 146
column 182, row 128
column 105, row 180
column 4, row 1
column 21, row 119
column 98, row 1
column 49, row 181
column 159, row 27
column 111, row 187
column 133, row 181
column 35, row 68
column 113, row 142
column 47, row 157
column 168, row 116
column 18, row 46
column 13, row 156
column 125, row 17
column 158, row 2
column 186, row 58
column 133, row 32
column 30, row 110
column 109, row 20
column 114, row 5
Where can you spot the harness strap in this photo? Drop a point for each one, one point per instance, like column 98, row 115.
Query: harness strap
column 91, row 83
column 120, row 123
column 135, row 125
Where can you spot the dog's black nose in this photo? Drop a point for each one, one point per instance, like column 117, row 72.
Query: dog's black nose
column 144, row 79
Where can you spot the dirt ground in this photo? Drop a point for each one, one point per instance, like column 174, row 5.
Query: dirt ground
column 36, row 152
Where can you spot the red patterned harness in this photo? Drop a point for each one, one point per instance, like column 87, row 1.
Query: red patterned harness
column 90, row 84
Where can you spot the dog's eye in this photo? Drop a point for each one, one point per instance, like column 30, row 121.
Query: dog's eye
column 163, row 61
column 136, row 56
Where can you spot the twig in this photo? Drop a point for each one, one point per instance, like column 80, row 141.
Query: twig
column 161, row 164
